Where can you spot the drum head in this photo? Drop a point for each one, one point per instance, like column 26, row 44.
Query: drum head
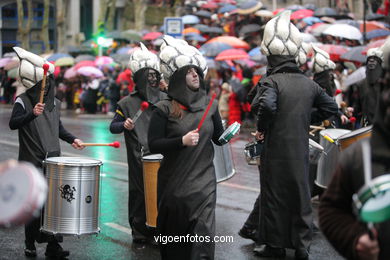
column 153, row 157
column 73, row 161
column 229, row 133
column 356, row 132
column 375, row 200
column 334, row 133
column 315, row 145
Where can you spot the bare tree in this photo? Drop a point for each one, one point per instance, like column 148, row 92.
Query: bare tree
column 61, row 6
column 102, row 13
column 22, row 32
column 126, row 20
column 111, row 16
column 45, row 25
column 139, row 14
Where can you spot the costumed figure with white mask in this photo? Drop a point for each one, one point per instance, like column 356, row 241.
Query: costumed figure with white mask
column 146, row 75
column 40, row 129
column 283, row 105
column 186, row 178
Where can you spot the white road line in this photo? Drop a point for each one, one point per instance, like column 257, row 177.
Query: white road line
column 119, row 227
column 237, row 186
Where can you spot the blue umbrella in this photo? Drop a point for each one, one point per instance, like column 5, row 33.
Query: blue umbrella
column 377, row 33
column 214, row 48
column 56, row 56
column 254, row 51
column 203, row 13
column 123, row 50
column 312, row 20
column 226, row 9
column 190, row 19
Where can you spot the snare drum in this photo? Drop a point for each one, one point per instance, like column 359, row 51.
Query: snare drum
column 348, row 139
column 223, row 162
column 372, row 202
column 315, row 151
column 72, row 206
column 151, row 164
column 252, row 152
column 229, row 133
column 23, row 192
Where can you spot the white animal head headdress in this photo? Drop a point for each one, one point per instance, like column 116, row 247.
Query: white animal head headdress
column 176, row 53
column 143, row 58
column 321, row 60
column 281, row 37
column 303, row 51
column 30, row 69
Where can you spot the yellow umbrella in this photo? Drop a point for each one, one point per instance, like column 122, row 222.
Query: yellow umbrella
column 65, row 61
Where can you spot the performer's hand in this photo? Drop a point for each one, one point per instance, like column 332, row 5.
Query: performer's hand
column 344, row 119
column 191, row 138
column 259, row 136
column 77, row 144
column 129, row 125
column 366, row 248
column 38, row 109
column 349, row 111
column 7, row 164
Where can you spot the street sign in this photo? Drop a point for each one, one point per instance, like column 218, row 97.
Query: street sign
column 173, row 26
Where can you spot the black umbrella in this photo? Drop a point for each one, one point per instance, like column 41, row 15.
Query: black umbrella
column 239, row 89
column 214, row 30
column 325, row 11
column 375, row 17
column 248, row 7
column 310, row 6
column 355, row 54
column 203, row 13
column 202, row 27
column 249, row 28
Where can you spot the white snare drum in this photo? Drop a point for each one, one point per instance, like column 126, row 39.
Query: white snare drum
column 23, row 192
column 72, row 206
column 372, row 202
column 315, row 151
column 223, row 162
column 229, row 133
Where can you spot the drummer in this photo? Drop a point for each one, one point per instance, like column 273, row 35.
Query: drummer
column 336, row 217
column 186, row 178
column 40, row 129
column 146, row 75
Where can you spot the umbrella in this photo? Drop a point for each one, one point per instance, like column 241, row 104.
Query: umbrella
column 295, row 7
column 344, row 31
column 355, row 76
column 227, row 8
column 131, row 35
column 325, row 11
column 84, row 57
column 375, row 17
column 300, row 14
column 238, row 89
column 203, row 13
column 190, row 19
column 209, row 5
column 374, row 44
column 89, row 71
column 14, row 63
column 249, row 28
column 278, row 11
column 85, row 63
column 354, row 54
column 115, row 35
column 195, row 37
column 151, row 36
column 214, row 29
column 4, row 61
column 103, row 60
column 377, row 34
column 307, row 37
column 56, row 56
column 212, row 64
column 353, row 23
column 249, row 7
column 254, row 51
column 260, row 59
column 264, row 13
column 202, row 27
column 311, row 20
column 318, row 28
column 65, row 61
column 122, row 59
column 335, row 51
column 70, row 73
column 13, row 73
column 310, row 6
column 123, row 50
column 371, row 26
column 232, row 54
column 232, row 41
column 191, row 30
column 212, row 49
column 9, row 55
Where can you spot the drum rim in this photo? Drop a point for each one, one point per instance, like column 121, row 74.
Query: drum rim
column 333, row 130
column 230, row 131
column 356, row 132
column 160, row 157
column 377, row 184
column 316, row 145
column 97, row 162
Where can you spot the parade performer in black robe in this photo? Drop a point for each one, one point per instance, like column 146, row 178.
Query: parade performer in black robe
column 284, row 103
column 186, row 178
column 40, row 128
column 145, row 68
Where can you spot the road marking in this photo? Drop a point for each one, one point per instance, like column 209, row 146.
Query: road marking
column 119, row 227
column 231, row 185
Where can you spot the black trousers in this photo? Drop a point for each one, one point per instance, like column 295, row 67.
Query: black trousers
column 33, row 234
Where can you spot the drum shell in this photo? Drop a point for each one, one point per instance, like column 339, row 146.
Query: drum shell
column 327, row 163
column 151, row 165
column 348, row 139
column 72, row 206
column 223, row 162
column 315, row 151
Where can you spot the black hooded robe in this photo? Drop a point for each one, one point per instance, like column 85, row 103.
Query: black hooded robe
column 284, row 102
column 186, row 178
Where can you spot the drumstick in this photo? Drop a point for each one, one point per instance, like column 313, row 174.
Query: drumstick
column 317, row 127
column 115, row 144
column 329, row 139
column 206, row 112
column 144, row 106
column 338, row 91
column 45, row 69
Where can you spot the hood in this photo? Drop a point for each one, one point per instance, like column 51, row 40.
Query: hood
column 374, row 71
column 34, row 93
column 326, row 81
column 282, row 63
column 143, row 87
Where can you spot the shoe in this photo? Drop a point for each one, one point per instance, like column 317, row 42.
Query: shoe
column 30, row 250
column 301, row 254
column 54, row 250
column 267, row 251
column 138, row 237
column 248, row 233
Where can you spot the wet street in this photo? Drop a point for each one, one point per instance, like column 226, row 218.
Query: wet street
column 235, row 198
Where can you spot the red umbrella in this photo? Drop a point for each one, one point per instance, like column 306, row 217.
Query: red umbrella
column 277, row 11
column 84, row 63
column 210, row 5
column 151, row 36
column 374, row 44
column 300, row 14
column 335, row 51
column 232, row 54
column 372, row 25
column 232, row 41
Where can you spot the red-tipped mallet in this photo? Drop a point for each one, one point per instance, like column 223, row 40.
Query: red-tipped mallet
column 43, row 85
column 338, row 91
column 115, row 144
column 144, row 106
column 206, row 112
